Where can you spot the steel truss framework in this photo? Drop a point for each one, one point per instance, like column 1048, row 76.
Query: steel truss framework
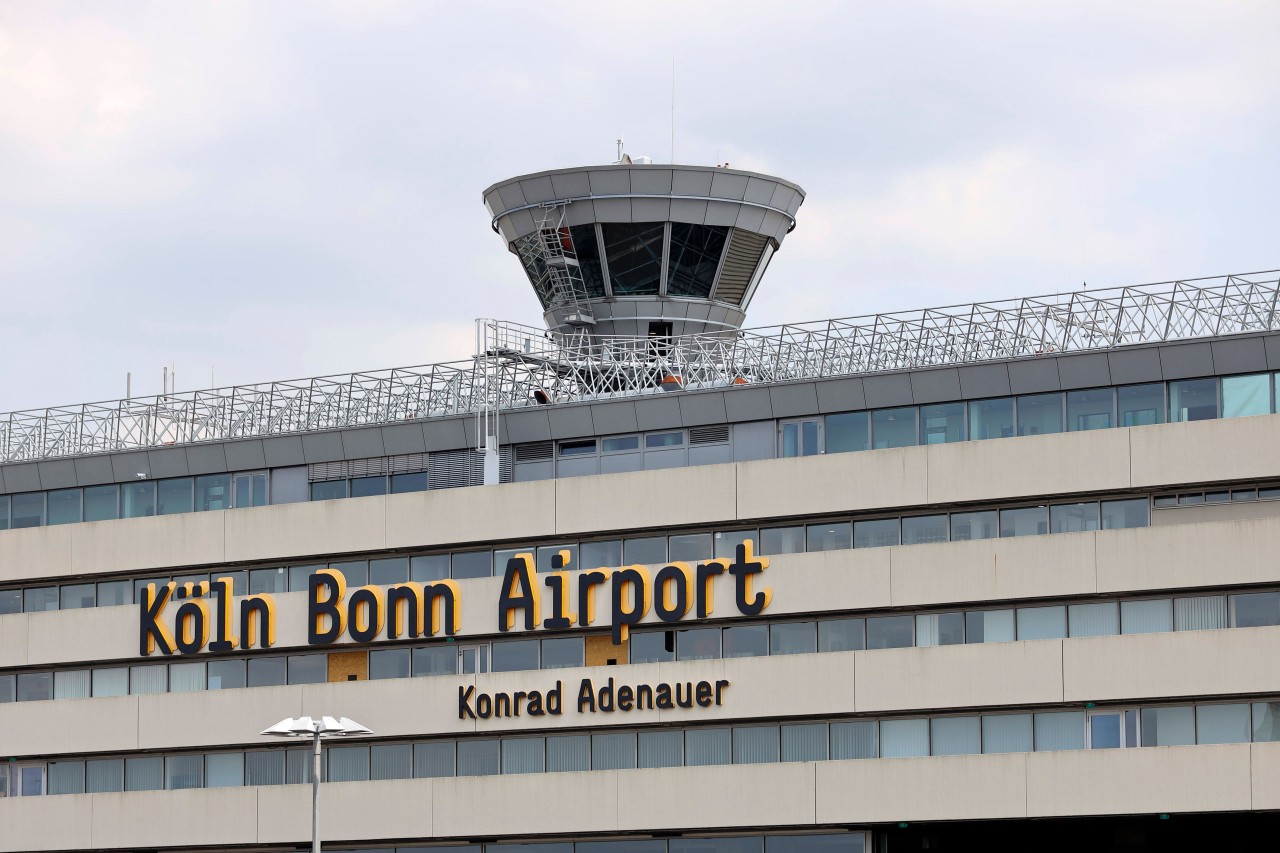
column 520, row 366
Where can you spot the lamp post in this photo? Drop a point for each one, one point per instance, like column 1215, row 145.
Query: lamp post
column 316, row 729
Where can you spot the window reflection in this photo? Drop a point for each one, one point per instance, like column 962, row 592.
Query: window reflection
column 634, row 254
column 695, row 255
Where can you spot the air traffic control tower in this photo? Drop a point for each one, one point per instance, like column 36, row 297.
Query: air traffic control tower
column 642, row 250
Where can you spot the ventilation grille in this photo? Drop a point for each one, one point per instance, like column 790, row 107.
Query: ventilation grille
column 536, row 451
column 740, row 260
column 451, row 469
column 403, row 464
column 717, row 434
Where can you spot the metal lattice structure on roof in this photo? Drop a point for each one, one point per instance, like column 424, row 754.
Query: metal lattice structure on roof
column 521, row 366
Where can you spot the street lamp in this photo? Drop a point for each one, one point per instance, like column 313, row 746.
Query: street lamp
column 316, row 729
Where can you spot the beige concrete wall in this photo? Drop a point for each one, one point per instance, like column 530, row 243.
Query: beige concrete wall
column 987, row 676
column 1120, row 782
column 1095, row 461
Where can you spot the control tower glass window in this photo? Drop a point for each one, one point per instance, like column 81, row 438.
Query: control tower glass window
column 695, row 255
column 634, row 252
column 530, row 254
column 588, row 252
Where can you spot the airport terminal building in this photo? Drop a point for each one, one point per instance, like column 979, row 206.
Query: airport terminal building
column 992, row 576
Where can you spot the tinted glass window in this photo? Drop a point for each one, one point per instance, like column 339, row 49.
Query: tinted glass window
column 974, row 525
column 78, row 595
column 137, row 500
column 28, row 509
column 472, row 564
column 1193, row 400
column 389, row 663
column 782, row 540
column 1090, row 409
column 267, row 672
column 1040, row 414
column 513, row 655
column 328, row 490
column 991, row 418
column 648, row 551
column 698, row 644
column 435, row 660
column 741, row 641
column 921, row 529
column 942, row 424
column 694, row 257
column 175, row 496
column 363, row 487
column 596, row 555
column 64, row 506
column 562, row 652
column 893, row 428
column 225, row 674
column 841, row 635
column 847, row 431
column 634, row 253
column 429, row 567
column 792, row 638
column 831, row 536
column 652, row 646
column 587, row 248
column 875, row 533
column 115, row 592
column 890, row 632
column 691, row 547
column 415, row 482
column 308, row 669
column 388, row 571
column 101, row 503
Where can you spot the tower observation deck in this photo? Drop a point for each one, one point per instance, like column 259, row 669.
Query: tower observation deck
column 639, row 250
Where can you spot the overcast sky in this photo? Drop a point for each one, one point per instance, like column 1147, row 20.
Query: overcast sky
column 258, row 191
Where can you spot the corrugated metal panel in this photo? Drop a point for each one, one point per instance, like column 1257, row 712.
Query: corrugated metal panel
column 535, row 451
column 404, row 463
column 451, row 469
column 740, row 260
column 715, row 434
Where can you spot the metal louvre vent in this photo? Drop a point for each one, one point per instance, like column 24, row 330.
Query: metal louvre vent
column 451, row 469
column 709, row 434
column 536, row 451
column 405, row 463
column 740, row 260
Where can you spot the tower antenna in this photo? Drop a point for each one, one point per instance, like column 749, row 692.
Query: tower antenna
column 673, row 109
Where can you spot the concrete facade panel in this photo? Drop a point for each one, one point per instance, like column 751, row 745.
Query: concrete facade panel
column 13, row 639
column 1183, row 663
column 1030, row 465
column 690, row 496
column 70, row 726
column 315, row 527
column 36, row 552
column 151, row 819
column 1265, row 776
column 1189, row 555
column 834, row 483
column 969, row 676
column 713, row 797
column 1205, row 451
column 955, row 787
column 994, row 569
column 449, row 516
column 1128, row 781
column 46, row 823
column 132, row 544
column 584, row 802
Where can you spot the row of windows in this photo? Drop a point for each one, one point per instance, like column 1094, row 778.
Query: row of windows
column 1032, row 414
column 836, row 740
column 1218, row 496
column 133, row 500
column 644, row 550
column 839, row 634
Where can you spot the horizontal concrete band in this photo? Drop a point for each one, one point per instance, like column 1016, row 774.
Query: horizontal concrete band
column 904, row 478
column 1183, row 557
column 995, row 676
column 795, row 796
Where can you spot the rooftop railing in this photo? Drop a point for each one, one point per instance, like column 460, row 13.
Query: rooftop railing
column 520, row 366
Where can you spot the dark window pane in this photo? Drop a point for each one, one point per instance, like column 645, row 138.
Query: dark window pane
column 1090, row 409
column 595, row 555
column 707, row 746
column 64, row 506
column 213, row 491
column 562, row 652
column 991, row 418
column 389, row 663
column 841, row 635
column 793, row 638
column 578, row 448
column 10, row 601
column 587, row 248
column 876, row 533
column 831, row 536
column 429, row 567
column 1073, row 518
column 847, row 842
column 226, row 674
column 690, row 547
column 514, row 655
column 37, row 599
column 435, row 660
column 269, row 580
column 114, row 592
column 363, row 487
column 328, row 490
column 8, row 690
column 745, row 844
column 175, row 496
column 634, row 254
column 434, row 759
column 403, row 483
column 745, row 641
column 1141, row 405
column 646, row 551
column 652, row 646
column 940, row 629
column 472, row 564
column 267, row 672
column 1120, row 514
column 974, row 525
column 35, row 686
column 1255, row 609
column 389, row 570
column 308, row 669
column 664, row 439
column 137, row 500
column 893, row 428
column 75, row 596
column 698, row 644
column 28, row 510
column 847, row 431
column 4, row 512
column 727, row 542
column 101, row 503
column 620, row 444
column 942, row 424
column 694, row 257
column 889, row 632
column 1040, row 414
column 782, row 540
column 921, row 529
column 1026, row 521
column 144, row 774
column 1193, row 400
column 478, row 757
column 104, row 776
